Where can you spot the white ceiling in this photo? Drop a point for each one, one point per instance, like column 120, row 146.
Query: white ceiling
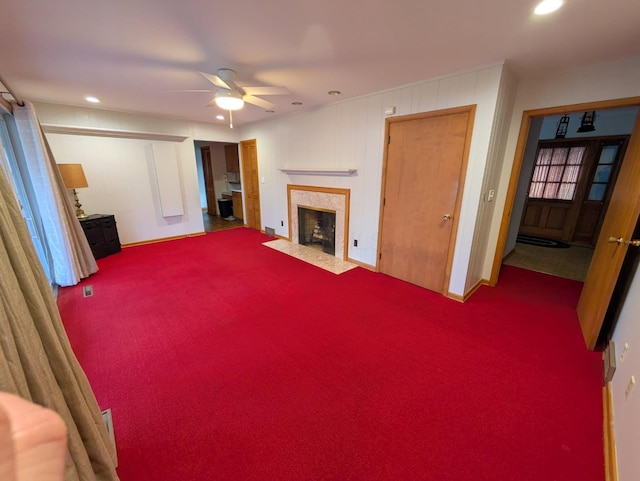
column 135, row 54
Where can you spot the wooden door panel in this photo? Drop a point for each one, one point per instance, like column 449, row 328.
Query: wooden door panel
column 251, row 188
column 546, row 219
column 587, row 224
column 423, row 173
column 620, row 221
column 207, row 171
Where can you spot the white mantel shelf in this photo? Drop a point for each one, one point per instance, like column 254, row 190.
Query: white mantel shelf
column 343, row 172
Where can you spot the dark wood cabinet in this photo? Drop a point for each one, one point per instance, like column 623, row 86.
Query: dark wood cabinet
column 232, row 158
column 102, row 234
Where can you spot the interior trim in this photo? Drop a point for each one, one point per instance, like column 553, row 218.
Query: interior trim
column 342, row 172
column 610, row 453
column 162, row 239
column 120, row 134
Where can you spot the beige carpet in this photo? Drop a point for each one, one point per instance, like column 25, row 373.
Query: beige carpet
column 571, row 263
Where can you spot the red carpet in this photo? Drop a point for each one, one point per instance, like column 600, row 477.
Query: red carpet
column 223, row 359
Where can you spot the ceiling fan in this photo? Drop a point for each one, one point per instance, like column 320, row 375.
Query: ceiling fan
column 230, row 96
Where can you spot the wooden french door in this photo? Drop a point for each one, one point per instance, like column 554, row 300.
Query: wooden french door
column 251, row 186
column 425, row 164
column 613, row 242
column 570, row 188
column 207, row 171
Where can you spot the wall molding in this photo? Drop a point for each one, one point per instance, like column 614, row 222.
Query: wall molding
column 340, row 172
column 610, row 453
column 119, row 134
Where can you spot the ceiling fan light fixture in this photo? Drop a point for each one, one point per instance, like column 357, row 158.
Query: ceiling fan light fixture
column 548, row 6
column 229, row 100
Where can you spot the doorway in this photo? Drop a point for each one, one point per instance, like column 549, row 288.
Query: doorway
column 423, row 175
column 213, row 183
column 621, row 217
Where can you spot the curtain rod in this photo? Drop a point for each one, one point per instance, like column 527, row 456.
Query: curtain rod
column 18, row 100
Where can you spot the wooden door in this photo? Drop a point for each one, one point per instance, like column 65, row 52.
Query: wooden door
column 424, row 171
column 619, row 223
column 251, row 183
column 207, row 170
column 555, row 189
column 599, row 183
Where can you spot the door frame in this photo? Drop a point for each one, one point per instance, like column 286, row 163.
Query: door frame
column 523, row 135
column 471, row 111
column 208, row 176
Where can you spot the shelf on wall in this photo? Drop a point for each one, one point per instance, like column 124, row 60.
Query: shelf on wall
column 343, row 172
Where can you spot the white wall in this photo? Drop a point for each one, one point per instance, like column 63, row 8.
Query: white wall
column 608, row 122
column 613, row 80
column 627, row 410
column 121, row 174
column 350, row 134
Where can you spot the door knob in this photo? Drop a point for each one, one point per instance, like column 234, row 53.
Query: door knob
column 620, row 240
column 446, row 217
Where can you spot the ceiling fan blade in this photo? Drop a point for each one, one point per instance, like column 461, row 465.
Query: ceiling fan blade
column 266, row 90
column 189, row 90
column 217, row 81
column 258, row 101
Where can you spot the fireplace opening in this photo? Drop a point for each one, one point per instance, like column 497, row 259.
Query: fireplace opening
column 317, row 229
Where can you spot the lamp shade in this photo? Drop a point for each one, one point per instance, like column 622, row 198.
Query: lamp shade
column 73, row 176
column 229, row 100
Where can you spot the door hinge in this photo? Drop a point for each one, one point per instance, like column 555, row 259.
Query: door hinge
column 380, row 256
column 388, row 139
column 384, row 202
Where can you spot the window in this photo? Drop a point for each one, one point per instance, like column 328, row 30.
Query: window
column 556, row 173
column 603, row 172
column 9, row 163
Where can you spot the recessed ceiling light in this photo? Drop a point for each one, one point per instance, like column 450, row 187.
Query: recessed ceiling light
column 548, row 6
column 220, row 117
column 93, row 100
column 334, row 92
column 296, row 103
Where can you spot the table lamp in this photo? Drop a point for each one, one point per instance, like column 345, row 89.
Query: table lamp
column 73, row 178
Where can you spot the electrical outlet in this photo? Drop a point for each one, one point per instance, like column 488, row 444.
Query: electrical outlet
column 630, row 385
column 625, row 349
column 355, row 242
column 87, row 291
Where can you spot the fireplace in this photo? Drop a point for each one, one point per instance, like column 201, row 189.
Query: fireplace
column 317, row 229
column 330, row 200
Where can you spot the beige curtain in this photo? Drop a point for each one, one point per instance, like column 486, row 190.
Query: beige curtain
column 70, row 251
column 36, row 360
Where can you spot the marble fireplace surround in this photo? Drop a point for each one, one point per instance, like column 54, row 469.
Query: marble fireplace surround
column 324, row 198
